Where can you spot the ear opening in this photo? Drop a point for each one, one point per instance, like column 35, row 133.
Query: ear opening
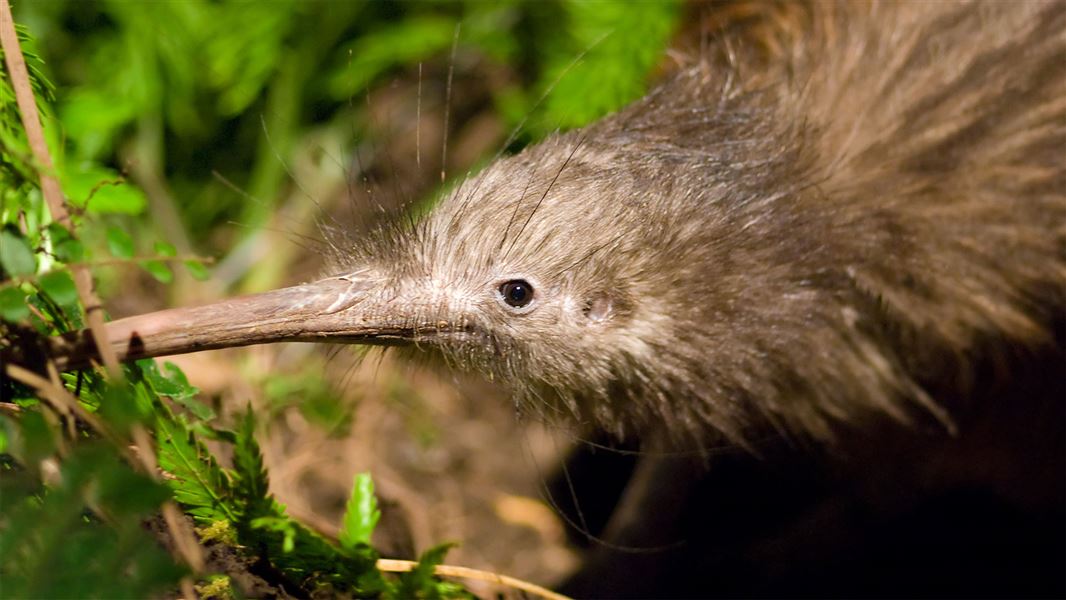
column 599, row 308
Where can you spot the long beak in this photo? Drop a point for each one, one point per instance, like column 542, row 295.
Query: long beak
column 324, row 311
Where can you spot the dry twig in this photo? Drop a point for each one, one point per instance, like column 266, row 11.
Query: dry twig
column 402, row 566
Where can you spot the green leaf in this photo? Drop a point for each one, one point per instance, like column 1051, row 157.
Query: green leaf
column 126, row 492
column 119, row 243
column 242, row 62
column 405, row 42
column 121, row 407
column 218, row 434
column 197, row 270
column 16, row 256
column 13, row 304
column 612, row 70
column 200, row 410
column 70, row 251
column 171, row 382
column 65, row 247
column 91, row 117
column 60, row 287
column 100, row 190
column 283, row 525
column 361, row 515
column 198, row 481
column 38, row 441
column 251, row 481
column 165, row 249
column 159, row 270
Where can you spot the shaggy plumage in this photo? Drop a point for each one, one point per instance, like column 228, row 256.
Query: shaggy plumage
column 830, row 213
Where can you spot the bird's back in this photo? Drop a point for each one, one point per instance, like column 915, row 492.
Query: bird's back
column 867, row 216
column 870, row 199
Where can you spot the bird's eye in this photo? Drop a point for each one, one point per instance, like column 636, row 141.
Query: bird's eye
column 516, row 293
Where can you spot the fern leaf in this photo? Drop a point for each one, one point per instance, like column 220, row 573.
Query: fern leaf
column 198, row 481
column 361, row 515
column 251, row 481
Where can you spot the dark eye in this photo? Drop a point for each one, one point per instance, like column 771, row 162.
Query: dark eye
column 517, row 293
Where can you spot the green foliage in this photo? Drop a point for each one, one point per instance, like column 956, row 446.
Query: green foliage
column 419, row 582
column 159, row 270
column 16, row 257
column 13, row 304
column 75, row 500
column 614, row 68
column 403, row 43
column 60, row 287
column 199, row 482
column 16, row 170
column 100, row 190
column 240, row 498
column 119, row 243
column 172, row 383
column 53, row 547
column 241, row 82
column 65, row 247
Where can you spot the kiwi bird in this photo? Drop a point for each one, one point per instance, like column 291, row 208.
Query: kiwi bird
column 829, row 217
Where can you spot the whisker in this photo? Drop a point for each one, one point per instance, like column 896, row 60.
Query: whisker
column 573, row 492
column 447, row 105
column 525, row 119
column 581, row 527
column 236, row 188
column 517, row 205
column 292, row 176
column 418, row 122
column 547, row 92
column 392, row 165
column 545, row 194
column 312, row 243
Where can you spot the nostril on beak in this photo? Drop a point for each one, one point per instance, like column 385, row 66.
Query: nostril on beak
column 350, row 296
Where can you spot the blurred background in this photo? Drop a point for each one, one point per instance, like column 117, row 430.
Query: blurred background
column 234, row 131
